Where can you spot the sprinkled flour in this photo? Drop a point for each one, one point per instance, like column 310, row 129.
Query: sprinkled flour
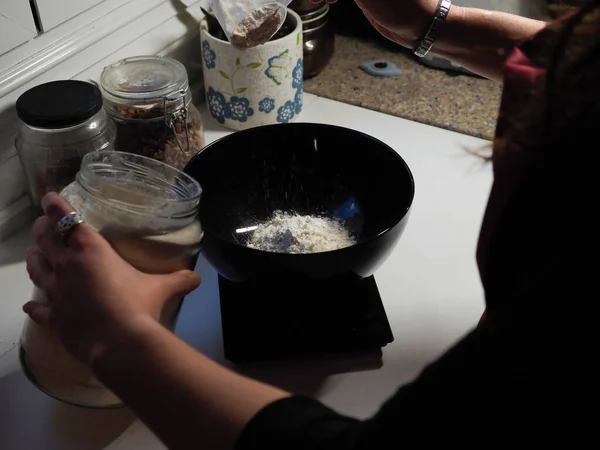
column 294, row 233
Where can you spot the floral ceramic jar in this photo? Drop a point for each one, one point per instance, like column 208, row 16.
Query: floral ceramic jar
column 259, row 86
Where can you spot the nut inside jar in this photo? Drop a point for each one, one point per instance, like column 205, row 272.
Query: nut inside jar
column 147, row 133
column 150, row 100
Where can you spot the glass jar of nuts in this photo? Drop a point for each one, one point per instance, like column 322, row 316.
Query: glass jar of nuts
column 149, row 99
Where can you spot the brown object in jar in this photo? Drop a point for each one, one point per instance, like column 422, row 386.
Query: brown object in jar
column 318, row 37
column 319, row 45
column 56, row 177
column 145, row 132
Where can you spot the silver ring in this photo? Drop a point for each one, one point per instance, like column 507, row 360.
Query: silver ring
column 71, row 220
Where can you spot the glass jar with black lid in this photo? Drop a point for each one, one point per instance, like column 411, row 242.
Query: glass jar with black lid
column 62, row 121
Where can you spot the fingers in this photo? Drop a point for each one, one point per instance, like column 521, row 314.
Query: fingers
column 48, row 240
column 39, row 269
column 381, row 29
column 40, row 312
column 177, row 284
column 55, row 207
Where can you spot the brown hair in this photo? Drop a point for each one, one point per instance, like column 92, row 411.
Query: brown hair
column 567, row 97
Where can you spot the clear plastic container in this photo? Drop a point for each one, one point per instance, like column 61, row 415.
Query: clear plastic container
column 149, row 99
column 61, row 122
column 147, row 211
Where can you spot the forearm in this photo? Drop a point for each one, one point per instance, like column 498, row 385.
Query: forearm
column 480, row 40
column 189, row 401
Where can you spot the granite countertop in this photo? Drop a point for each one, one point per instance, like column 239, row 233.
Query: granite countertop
column 463, row 103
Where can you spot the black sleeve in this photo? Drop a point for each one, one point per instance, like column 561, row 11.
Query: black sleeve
column 501, row 385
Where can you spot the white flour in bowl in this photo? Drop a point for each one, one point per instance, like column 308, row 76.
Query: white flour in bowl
column 250, row 23
column 295, row 233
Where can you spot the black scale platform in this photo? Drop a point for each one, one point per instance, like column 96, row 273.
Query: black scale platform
column 290, row 320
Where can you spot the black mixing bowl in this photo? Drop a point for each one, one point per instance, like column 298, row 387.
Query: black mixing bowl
column 308, row 169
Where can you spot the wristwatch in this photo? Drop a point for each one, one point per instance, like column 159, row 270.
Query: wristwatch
column 441, row 13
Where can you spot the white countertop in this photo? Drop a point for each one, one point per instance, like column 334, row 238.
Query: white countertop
column 429, row 286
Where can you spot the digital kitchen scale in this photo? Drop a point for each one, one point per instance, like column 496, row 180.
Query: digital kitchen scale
column 283, row 320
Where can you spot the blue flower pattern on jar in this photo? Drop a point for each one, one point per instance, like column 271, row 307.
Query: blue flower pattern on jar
column 298, row 75
column 266, row 105
column 240, row 109
column 208, row 55
column 298, row 101
column 218, row 106
column 286, row 113
column 277, row 67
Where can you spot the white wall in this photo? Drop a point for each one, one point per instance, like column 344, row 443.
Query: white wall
column 166, row 27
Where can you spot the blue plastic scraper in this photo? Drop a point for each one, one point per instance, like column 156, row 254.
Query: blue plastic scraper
column 380, row 68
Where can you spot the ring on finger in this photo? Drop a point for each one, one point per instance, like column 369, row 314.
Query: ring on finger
column 68, row 222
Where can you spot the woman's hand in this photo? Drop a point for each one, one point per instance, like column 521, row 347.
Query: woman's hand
column 402, row 21
column 477, row 39
column 94, row 297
